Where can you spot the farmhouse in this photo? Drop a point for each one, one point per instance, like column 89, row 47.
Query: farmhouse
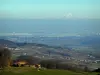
column 19, row 63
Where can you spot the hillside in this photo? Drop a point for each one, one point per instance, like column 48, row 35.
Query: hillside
column 63, row 46
column 85, row 44
column 43, row 51
column 17, row 44
column 8, row 43
column 32, row 48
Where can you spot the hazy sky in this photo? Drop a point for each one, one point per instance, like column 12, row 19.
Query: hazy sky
column 63, row 10
column 51, row 27
column 49, row 9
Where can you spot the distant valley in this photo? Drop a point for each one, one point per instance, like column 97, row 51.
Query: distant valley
column 87, row 44
column 76, row 50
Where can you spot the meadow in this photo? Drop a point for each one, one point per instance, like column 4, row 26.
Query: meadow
column 32, row 71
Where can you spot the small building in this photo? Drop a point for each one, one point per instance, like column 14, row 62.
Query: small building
column 19, row 63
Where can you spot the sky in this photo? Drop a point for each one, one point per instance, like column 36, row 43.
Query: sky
column 51, row 9
column 50, row 17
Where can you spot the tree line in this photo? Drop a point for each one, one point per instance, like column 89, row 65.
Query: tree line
column 56, row 64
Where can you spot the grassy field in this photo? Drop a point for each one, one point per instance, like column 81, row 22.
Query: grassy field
column 31, row 71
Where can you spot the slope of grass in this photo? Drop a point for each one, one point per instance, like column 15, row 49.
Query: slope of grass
column 31, row 71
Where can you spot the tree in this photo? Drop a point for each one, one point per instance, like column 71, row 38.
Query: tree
column 96, row 70
column 86, row 69
column 5, row 57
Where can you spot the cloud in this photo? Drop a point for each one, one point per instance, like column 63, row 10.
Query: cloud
column 68, row 15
